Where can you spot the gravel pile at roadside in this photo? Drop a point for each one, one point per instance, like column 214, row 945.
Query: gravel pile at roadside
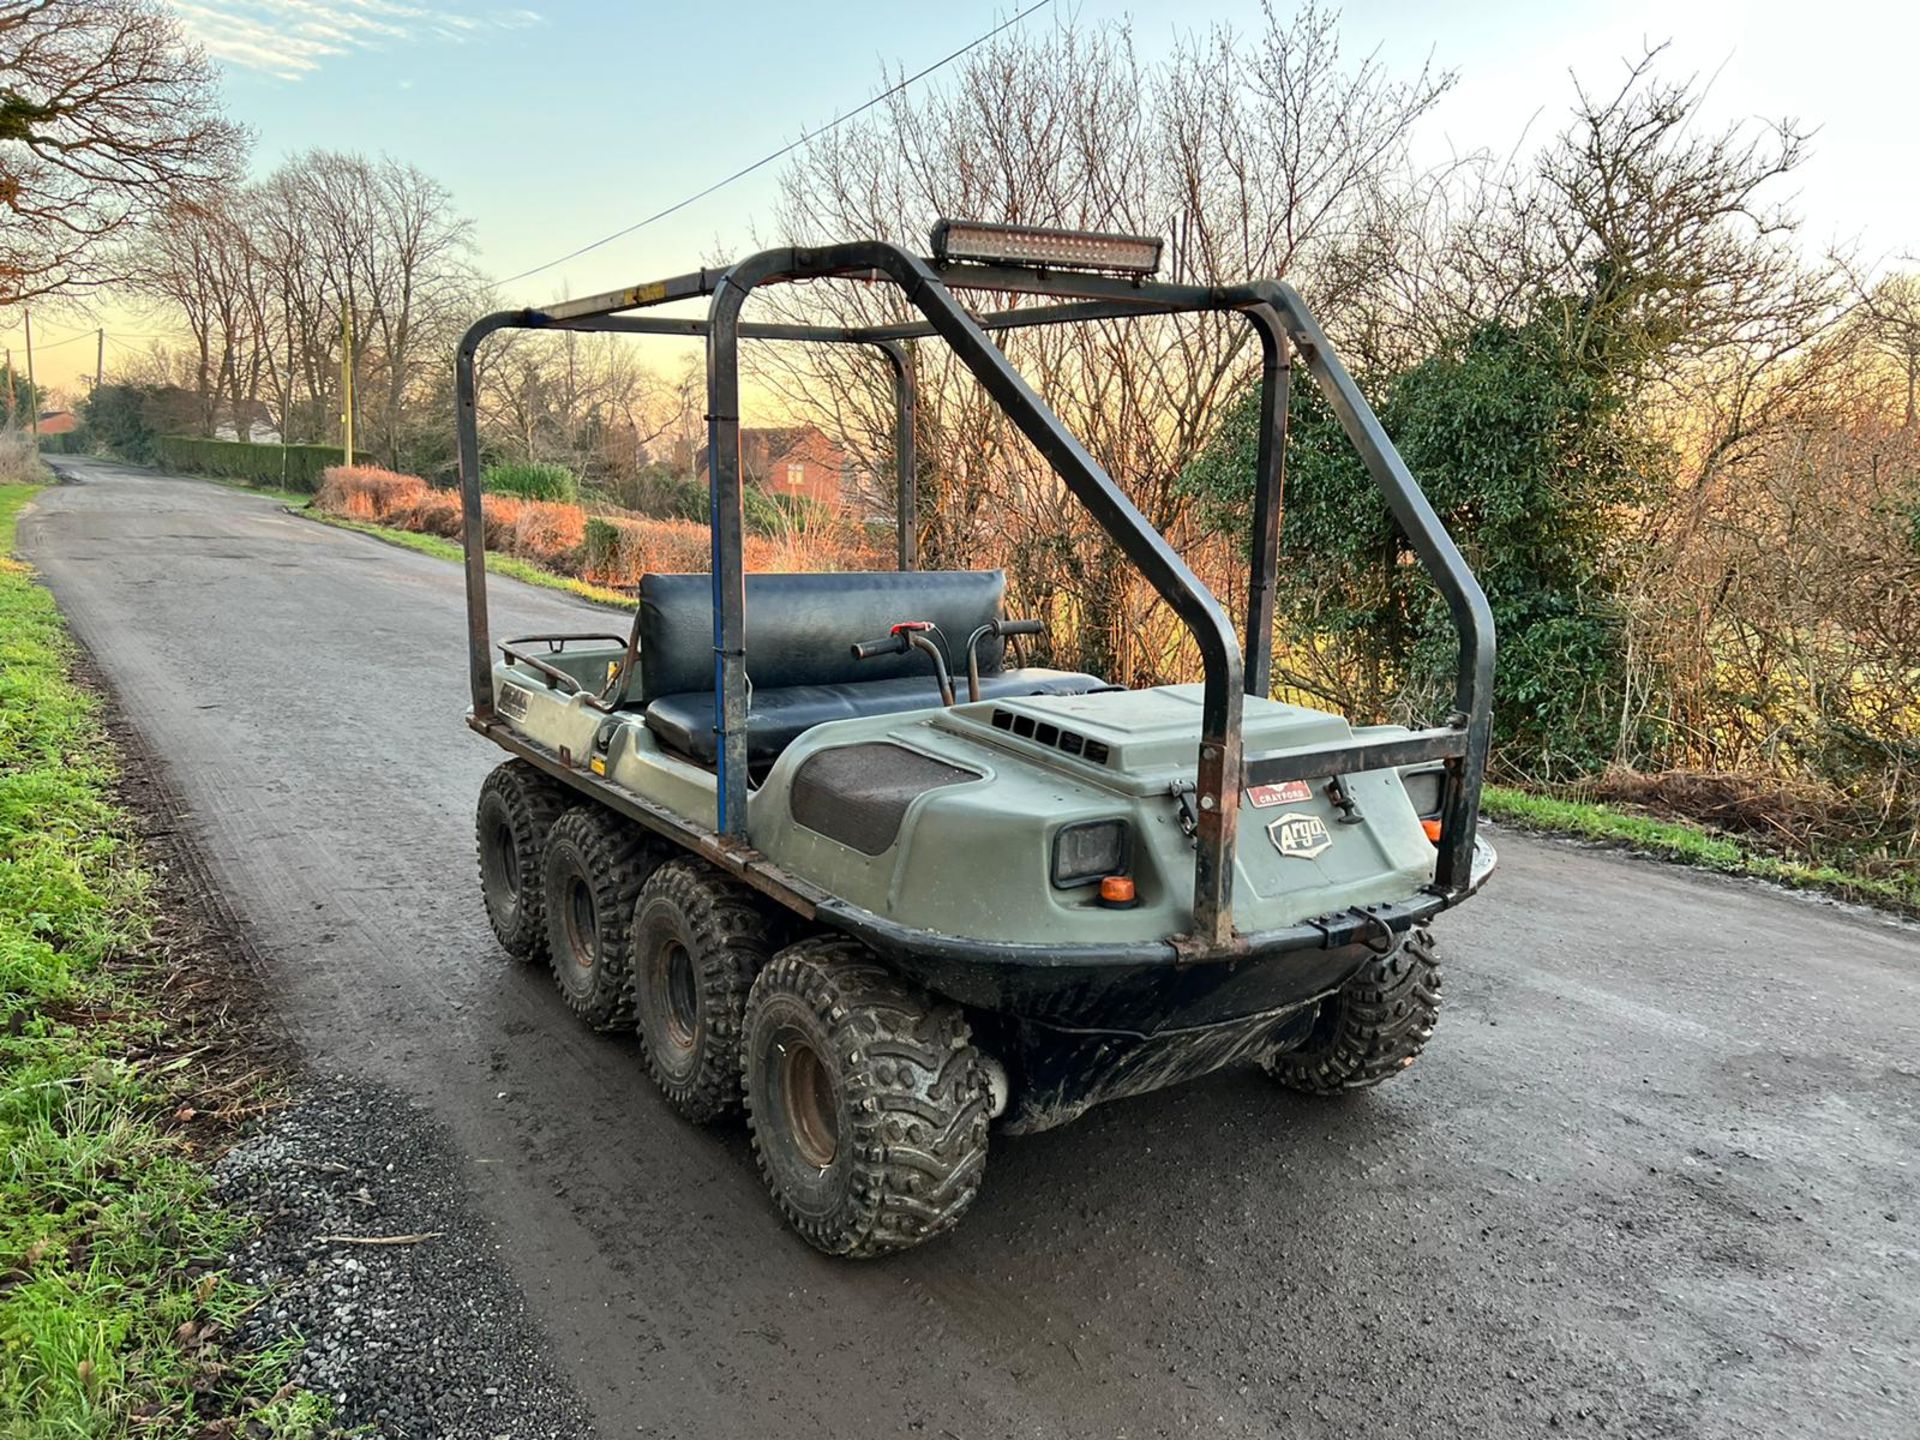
column 424, row 1337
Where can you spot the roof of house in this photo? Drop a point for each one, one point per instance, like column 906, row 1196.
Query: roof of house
column 58, row 422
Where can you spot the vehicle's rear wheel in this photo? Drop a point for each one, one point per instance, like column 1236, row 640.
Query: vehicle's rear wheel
column 1375, row 1027
column 518, row 806
column 866, row 1100
column 698, row 941
column 595, row 866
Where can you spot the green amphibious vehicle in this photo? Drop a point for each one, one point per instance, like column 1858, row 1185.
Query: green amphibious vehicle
column 844, row 859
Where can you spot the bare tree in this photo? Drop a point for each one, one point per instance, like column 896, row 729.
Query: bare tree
column 1268, row 156
column 108, row 116
column 200, row 264
column 1891, row 314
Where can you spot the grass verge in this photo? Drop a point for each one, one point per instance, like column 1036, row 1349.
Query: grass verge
column 510, row 566
column 1690, row 844
column 115, row 1078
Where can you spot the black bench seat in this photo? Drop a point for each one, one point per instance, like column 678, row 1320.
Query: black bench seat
column 799, row 638
column 776, row 718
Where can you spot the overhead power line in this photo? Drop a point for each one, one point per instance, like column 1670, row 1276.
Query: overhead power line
column 785, row 150
column 44, row 345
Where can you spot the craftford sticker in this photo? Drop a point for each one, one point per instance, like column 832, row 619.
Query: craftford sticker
column 1299, row 837
column 1290, row 792
column 513, row 702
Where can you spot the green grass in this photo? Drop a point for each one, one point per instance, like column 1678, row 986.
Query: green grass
column 112, row 1302
column 510, row 566
column 1691, row 844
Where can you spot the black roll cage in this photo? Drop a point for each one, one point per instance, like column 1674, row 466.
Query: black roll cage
column 1285, row 327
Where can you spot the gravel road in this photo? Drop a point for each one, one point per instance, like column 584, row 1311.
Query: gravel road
column 1656, row 1177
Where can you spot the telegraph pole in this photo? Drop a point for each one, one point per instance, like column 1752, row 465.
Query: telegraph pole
column 33, row 395
column 10, row 396
column 346, row 379
column 99, row 355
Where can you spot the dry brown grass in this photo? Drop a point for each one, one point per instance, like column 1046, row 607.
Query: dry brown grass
column 364, row 492
column 1792, row 813
column 18, row 464
column 549, row 534
column 553, row 535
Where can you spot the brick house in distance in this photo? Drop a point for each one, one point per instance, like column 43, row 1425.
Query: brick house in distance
column 790, row 460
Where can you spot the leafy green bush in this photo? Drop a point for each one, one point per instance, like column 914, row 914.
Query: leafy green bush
column 283, row 467
column 601, row 548
column 533, row 482
column 116, row 417
column 1522, row 450
column 771, row 514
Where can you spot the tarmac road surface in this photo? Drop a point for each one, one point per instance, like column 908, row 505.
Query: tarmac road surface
column 1656, row 1176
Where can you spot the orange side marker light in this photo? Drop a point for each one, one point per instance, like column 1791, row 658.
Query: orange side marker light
column 1432, row 827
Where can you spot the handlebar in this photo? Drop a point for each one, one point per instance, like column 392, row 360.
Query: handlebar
column 910, row 635
column 892, row 645
column 1001, row 629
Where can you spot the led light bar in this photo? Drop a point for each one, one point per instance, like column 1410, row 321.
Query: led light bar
column 1045, row 249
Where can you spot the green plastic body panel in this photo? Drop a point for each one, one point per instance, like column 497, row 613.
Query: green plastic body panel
column 974, row 860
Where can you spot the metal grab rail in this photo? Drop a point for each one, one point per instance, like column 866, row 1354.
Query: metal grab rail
column 555, row 677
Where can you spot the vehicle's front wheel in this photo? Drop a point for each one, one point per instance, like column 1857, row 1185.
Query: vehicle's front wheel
column 698, row 941
column 518, row 806
column 1375, row 1027
column 866, row 1100
column 595, row 866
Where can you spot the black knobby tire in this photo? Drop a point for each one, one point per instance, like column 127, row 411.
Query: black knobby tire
column 518, row 806
column 866, row 1100
column 699, row 939
column 1375, row 1027
column 596, row 864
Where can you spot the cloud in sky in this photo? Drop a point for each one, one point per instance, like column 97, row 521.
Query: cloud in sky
column 293, row 38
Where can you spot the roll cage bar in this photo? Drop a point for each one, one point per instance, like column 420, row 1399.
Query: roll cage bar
column 1284, row 326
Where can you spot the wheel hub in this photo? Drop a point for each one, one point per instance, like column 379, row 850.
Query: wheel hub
column 682, row 995
column 583, row 927
column 807, row 1102
column 506, row 861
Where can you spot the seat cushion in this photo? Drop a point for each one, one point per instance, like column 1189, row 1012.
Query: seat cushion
column 801, row 628
column 779, row 716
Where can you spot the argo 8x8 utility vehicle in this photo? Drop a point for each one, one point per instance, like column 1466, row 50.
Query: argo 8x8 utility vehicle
column 840, row 859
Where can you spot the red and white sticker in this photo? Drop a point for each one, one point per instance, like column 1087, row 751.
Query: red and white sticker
column 1289, row 792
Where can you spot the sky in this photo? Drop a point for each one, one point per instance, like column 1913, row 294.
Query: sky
column 556, row 123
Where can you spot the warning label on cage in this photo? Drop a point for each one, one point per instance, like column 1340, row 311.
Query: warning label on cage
column 1290, row 792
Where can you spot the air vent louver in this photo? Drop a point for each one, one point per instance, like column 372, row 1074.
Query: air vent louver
column 1052, row 736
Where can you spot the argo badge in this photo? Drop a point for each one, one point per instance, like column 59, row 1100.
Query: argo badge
column 1299, row 837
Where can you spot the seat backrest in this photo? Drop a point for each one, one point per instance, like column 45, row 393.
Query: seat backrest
column 801, row 628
